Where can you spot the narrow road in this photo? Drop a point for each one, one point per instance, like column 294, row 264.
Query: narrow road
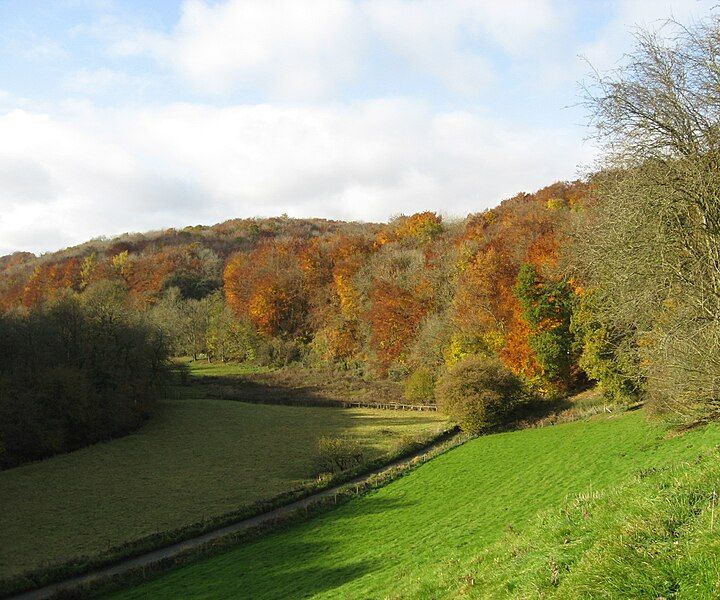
column 156, row 556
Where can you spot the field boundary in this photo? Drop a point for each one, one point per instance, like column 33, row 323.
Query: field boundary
column 224, row 391
column 192, row 543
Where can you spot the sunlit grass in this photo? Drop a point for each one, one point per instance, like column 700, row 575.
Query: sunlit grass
column 203, row 368
column 417, row 536
column 653, row 536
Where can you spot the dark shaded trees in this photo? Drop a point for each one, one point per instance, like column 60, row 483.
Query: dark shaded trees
column 74, row 372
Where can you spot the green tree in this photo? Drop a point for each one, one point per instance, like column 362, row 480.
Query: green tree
column 547, row 307
column 229, row 338
column 606, row 354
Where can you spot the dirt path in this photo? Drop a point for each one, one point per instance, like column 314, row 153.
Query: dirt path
column 156, row 556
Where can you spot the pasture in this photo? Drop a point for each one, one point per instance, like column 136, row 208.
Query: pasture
column 652, row 536
column 195, row 459
column 423, row 535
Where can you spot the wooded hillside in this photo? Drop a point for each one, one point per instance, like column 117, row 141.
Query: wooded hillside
column 386, row 299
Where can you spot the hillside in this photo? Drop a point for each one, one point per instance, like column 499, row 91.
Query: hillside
column 384, row 299
column 520, row 401
column 427, row 534
column 158, row 255
column 358, row 303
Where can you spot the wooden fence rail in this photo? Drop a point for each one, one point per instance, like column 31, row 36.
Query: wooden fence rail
column 389, row 406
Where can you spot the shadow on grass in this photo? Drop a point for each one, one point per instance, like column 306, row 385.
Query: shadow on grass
column 295, row 385
column 292, row 583
column 291, row 563
column 270, row 388
column 245, row 389
column 374, row 506
column 538, row 409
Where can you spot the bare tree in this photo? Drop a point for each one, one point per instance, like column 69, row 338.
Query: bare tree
column 650, row 248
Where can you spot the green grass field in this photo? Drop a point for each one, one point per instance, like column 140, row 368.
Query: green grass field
column 421, row 536
column 653, row 536
column 195, row 459
column 202, row 368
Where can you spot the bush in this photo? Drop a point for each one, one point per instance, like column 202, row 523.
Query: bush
column 335, row 454
column 408, row 443
column 420, row 386
column 276, row 352
column 478, row 393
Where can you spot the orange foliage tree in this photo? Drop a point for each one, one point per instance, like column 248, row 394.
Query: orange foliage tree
column 394, row 318
column 267, row 287
column 47, row 279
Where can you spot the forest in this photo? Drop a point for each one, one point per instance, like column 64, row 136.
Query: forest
column 610, row 279
column 408, row 300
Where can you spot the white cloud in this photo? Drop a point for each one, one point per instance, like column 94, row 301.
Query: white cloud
column 70, row 170
column 28, row 45
column 289, row 48
column 299, row 50
column 108, row 171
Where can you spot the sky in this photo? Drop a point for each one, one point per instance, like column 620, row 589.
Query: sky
column 126, row 115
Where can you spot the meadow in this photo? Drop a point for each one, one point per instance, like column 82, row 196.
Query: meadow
column 291, row 384
column 424, row 535
column 653, row 536
column 194, row 460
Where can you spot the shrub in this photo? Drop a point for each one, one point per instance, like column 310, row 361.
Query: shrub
column 335, row 454
column 420, row 386
column 276, row 352
column 408, row 443
column 478, row 393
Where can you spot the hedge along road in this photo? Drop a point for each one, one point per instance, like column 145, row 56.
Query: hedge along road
column 164, row 558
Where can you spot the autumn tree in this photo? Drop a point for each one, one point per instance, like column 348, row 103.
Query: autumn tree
column 266, row 287
column 394, row 318
column 330, row 265
column 47, row 279
column 421, row 227
column 399, row 295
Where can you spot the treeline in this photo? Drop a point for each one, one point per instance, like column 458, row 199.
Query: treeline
column 648, row 251
column 407, row 300
column 75, row 370
column 614, row 279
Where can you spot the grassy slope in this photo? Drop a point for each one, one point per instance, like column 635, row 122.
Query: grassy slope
column 196, row 458
column 406, row 539
column 654, row 536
